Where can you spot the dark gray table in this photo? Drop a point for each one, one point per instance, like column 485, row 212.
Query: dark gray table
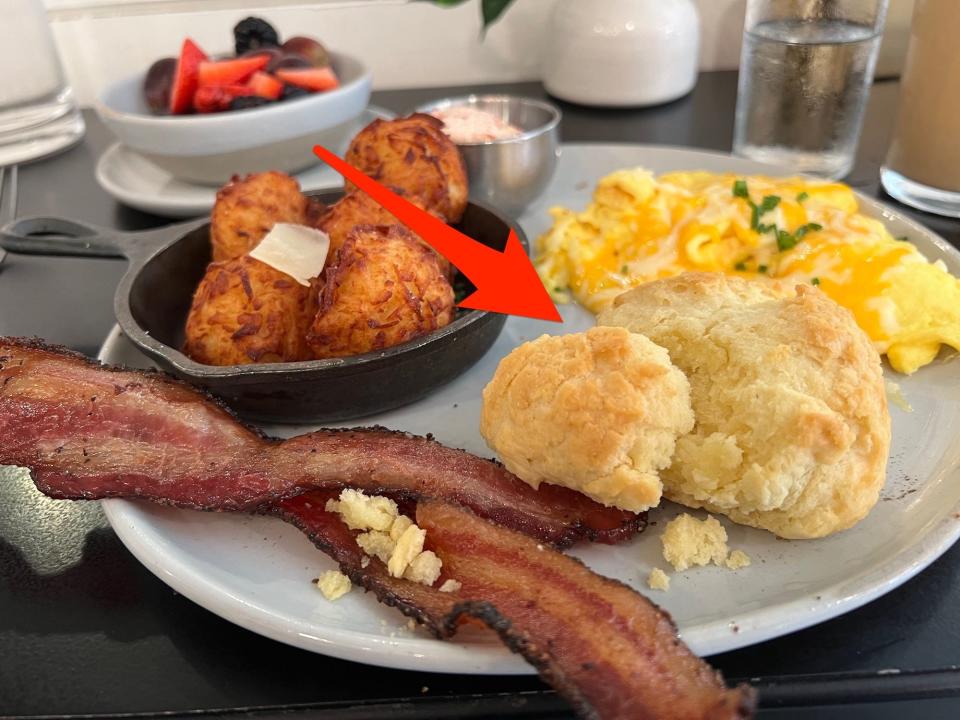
column 84, row 628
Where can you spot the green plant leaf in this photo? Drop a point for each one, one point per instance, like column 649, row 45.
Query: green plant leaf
column 490, row 10
column 493, row 9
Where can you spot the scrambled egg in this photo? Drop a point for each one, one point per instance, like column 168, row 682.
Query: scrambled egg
column 640, row 228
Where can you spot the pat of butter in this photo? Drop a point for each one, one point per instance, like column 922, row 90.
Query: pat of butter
column 297, row 250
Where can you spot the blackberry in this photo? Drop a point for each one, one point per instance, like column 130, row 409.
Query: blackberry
column 290, row 92
column 245, row 102
column 252, row 33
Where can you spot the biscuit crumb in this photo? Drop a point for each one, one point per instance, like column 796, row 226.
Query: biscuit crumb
column 400, row 524
column 334, row 584
column 409, row 545
column 658, row 580
column 376, row 544
column 389, row 536
column 688, row 542
column 450, row 585
column 895, row 395
column 424, row 568
column 364, row 512
column 737, row 559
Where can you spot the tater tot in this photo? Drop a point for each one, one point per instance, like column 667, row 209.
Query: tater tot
column 358, row 208
column 414, row 154
column 246, row 209
column 386, row 288
column 245, row 311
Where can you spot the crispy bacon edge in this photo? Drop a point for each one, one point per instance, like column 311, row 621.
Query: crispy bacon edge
column 606, row 648
column 218, row 463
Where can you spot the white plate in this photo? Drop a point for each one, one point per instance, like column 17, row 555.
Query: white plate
column 256, row 572
column 135, row 181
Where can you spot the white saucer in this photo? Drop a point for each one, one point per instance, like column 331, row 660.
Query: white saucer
column 135, row 181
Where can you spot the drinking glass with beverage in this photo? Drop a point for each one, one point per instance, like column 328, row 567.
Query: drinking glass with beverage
column 805, row 74
column 38, row 115
column 923, row 166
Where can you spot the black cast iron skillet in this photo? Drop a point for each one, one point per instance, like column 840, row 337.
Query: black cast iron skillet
column 153, row 298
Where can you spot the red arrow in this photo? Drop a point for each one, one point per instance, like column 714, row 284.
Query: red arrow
column 506, row 281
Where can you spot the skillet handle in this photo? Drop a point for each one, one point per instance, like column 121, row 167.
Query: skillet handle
column 59, row 236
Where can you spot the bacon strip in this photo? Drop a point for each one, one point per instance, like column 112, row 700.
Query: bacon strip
column 606, row 648
column 90, row 432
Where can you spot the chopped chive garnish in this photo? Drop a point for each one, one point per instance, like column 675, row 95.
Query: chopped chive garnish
column 803, row 196
column 768, row 203
column 761, row 268
column 809, row 227
column 623, row 270
column 815, row 281
column 740, row 266
column 785, row 240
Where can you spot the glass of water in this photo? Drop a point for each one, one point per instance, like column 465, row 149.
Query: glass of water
column 38, row 115
column 805, row 74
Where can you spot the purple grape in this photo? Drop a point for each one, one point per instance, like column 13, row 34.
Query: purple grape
column 288, row 60
column 158, row 83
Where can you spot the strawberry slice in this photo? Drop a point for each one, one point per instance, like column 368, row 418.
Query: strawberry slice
column 230, row 72
column 265, row 85
column 185, row 77
column 217, row 98
column 315, row 79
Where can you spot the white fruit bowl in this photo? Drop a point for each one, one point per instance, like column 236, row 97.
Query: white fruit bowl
column 209, row 149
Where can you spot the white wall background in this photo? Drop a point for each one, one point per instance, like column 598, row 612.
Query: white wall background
column 407, row 44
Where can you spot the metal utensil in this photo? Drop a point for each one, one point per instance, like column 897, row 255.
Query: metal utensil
column 509, row 174
column 153, row 298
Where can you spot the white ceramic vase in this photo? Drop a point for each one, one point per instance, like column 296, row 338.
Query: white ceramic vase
column 622, row 52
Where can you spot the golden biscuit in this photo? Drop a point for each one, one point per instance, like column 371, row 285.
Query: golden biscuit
column 792, row 430
column 597, row 412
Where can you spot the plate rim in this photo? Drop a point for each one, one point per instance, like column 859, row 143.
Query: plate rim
column 429, row 655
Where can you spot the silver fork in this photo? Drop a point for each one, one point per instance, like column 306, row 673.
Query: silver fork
column 8, row 199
